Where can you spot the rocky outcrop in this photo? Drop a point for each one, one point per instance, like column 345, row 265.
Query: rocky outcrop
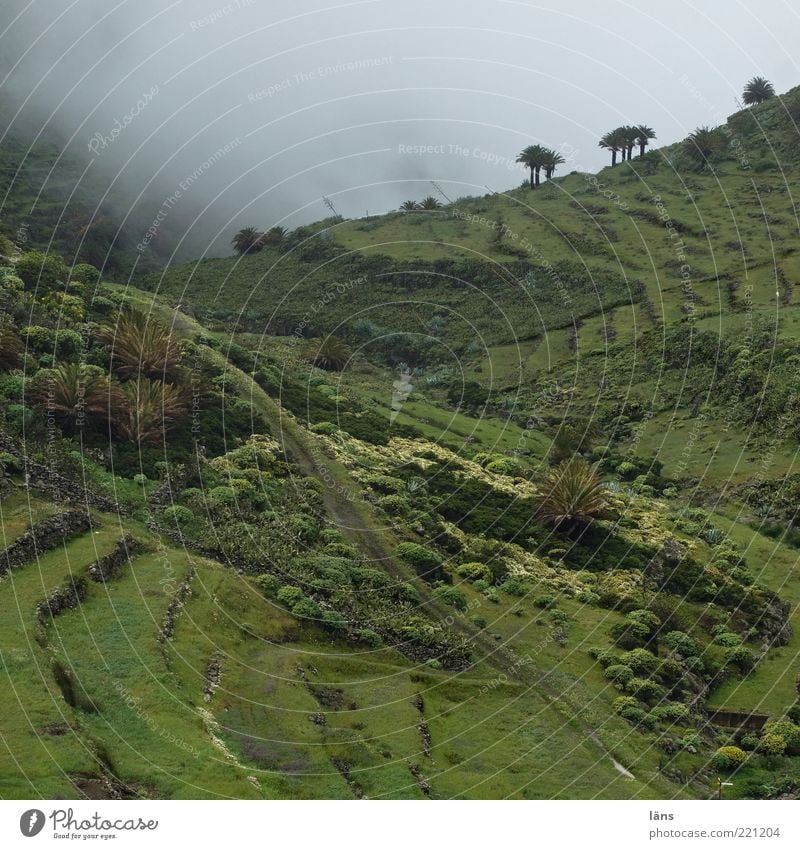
column 44, row 536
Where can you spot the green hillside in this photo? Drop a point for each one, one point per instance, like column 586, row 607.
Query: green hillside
column 494, row 500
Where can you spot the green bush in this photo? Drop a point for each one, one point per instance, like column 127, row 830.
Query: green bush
column 727, row 639
column 772, row 745
column 671, row 712
column 369, row 637
column 289, row 595
column 394, row 505
column 514, row 586
column 268, row 584
column 474, row 572
column 333, row 620
column 178, row 516
column 451, row 596
column 645, row 689
column 789, row 731
column 426, row 563
column 641, row 661
column 727, row 758
column 740, row 657
column 545, row 601
column 302, row 527
column 618, row 673
column 681, row 643
column 306, row 608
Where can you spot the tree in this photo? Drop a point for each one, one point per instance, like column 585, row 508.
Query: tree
column 75, row 393
column 248, row 240
column 273, row 236
column 574, row 495
column 614, row 142
column 630, row 138
column 702, row 144
column 643, row 136
column 140, row 345
column 430, row 202
column 550, row 160
column 757, row 90
column 148, row 410
column 409, row 205
column 533, row 157
column 329, row 353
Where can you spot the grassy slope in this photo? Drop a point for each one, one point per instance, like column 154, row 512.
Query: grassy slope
column 152, row 729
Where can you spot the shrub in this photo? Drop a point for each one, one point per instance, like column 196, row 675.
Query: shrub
column 369, row 637
column 395, row 505
column 641, row 661
column 638, row 629
column 682, row 644
column 451, row 596
column 268, row 584
column 179, row 516
column 426, row 563
column 474, row 571
column 727, row 758
column 618, row 673
column 333, row 620
column 302, row 527
column 644, row 689
column 772, row 745
column 789, row 731
column 622, row 703
column 740, row 657
column 41, row 271
column 603, row 656
column 671, row 712
column 515, row 587
column 306, row 608
column 545, row 601
column 727, row 639
column 289, row 595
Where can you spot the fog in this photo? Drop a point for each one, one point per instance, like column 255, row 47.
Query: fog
column 250, row 112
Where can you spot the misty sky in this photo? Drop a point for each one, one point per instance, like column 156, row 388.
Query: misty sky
column 296, row 101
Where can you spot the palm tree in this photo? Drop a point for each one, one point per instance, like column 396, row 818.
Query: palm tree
column 140, row 345
column 630, row 136
column 329, row 353
column 74, row 393
column 550, row 161
column 273, row 236
column 247, row 241
column 643, row 136
column 757, row 90
column 532, row 157
column 614, row 142
column 574, row 495
column 430, row 202
column 702, row 144
column 148, row 410
column 409, row 205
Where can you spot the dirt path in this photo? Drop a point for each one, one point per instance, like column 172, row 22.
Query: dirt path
column 343, row 501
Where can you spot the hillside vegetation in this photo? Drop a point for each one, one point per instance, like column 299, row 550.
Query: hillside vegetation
column 490, row 500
